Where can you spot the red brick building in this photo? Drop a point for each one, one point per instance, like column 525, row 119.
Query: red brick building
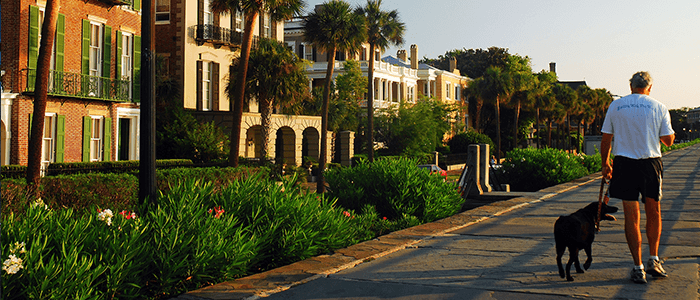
column 92, row 112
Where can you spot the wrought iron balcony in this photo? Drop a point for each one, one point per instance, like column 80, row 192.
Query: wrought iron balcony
column 76, row 85
column 219, row 36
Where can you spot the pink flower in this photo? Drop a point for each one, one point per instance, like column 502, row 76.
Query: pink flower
column 347, row 214
column 128, row 215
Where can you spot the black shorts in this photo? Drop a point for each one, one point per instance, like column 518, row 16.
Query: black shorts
column 634, row 176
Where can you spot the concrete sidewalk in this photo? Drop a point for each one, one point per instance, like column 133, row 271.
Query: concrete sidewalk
column 503, row 250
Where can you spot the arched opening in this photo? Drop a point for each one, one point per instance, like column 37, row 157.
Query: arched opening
column 284, row 146
column 310, row 143
column 253, row 142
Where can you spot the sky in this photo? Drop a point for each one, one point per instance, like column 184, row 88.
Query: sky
column 602, row 42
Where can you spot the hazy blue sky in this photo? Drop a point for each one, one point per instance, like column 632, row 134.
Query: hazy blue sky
column 600, row 41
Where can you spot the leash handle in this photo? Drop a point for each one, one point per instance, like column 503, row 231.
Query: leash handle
column 600, row 204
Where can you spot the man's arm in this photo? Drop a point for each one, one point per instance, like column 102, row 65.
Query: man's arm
column 667, row 139
column 605, row 155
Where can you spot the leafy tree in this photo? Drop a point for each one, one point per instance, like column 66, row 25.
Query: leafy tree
column 276, row 77
column 383, row 29
column 278, row 10
column 414, row 129
column 679, row 122
column 333, row 27
column 461, row 141
column 472, row 62
column 475, row 92
column 48, row 31
column 350, row 87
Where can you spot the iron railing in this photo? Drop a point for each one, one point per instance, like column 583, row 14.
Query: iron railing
column 221, row 36
column 80, row 86
column 118, row 2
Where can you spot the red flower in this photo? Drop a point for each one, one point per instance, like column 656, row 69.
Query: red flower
column 347, row 214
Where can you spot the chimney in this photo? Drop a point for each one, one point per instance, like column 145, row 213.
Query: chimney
column 401, row 55
column 553, row 67
column 414, row 56
column 453, row 64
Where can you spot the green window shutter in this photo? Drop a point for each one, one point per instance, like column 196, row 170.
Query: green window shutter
column 107, row 154
column 85, row 64
column 137, row 5
column 118, row 56
column 34, row 31
column 87, row 134
column 60, row 138
column 136, row 78
column 60, row 41
column 29, row 136
column 215, row 87
column 200, row 73
column 107, row 52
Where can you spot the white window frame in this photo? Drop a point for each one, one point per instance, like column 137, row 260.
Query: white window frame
column 239, row 21
column 208, row 15
column 207, row 83
column 134, row 115
column 97, row 138
column 458, row 92
column 267, row 25
column 96, row 45
column 127, row 58
column 448, row 89
column 50, row 140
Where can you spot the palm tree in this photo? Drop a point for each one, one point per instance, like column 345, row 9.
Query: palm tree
column 568, row 98
column 475, row 92
column 276, row 77
column 497, row 86
column 278, row 10
column 48, row 30
column 523, row 82
column 383, row 29
column 333, row 27
column 542, row 96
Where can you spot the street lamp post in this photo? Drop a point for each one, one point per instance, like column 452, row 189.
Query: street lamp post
column 147, row 166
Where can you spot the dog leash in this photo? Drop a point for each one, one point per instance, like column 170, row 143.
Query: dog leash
column 600, row 203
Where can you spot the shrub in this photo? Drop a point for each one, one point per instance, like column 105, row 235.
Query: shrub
column 460, row 142
column 80, row 191
column 13, row 171
column 531, row 169
column 395, row 188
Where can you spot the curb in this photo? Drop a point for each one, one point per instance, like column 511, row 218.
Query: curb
column 285, row 277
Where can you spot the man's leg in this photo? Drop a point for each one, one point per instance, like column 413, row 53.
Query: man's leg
column 632, row 231
column 652, row 208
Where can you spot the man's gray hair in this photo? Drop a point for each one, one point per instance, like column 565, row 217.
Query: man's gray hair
column 641, row 80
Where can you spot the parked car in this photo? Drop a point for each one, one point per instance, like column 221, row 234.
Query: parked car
column 434, row 169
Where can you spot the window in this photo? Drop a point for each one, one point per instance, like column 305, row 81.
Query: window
column 95, row 49
column 96, row 139
column 206, row 85
column 266, row 25
column 308, row 52
column 208, row 15
column 458, row 92
column 48, row 145
column 448, row 90
column 126, row 59
column 239, row 21
column 163, row 11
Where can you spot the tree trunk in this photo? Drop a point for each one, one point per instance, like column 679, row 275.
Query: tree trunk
column 370, row 105
column 537, row 131
column 498, row 129
column 265, row 116
column 321, row 183
column 41, row 87
column 239, row 90
column 515, row 125
column 549, row 133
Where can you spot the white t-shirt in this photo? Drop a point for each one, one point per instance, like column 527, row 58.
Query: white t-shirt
column 637, row 121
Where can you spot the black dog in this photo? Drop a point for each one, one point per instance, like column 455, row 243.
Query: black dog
column 577, row 231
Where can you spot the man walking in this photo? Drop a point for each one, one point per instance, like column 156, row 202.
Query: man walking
column 638, row 122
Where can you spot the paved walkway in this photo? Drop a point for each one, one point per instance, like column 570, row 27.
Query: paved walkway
column 503, row 250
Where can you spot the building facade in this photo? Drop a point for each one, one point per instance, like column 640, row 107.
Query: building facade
column 199, row 46
column 92, row 111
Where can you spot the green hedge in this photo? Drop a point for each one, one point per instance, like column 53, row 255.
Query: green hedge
column 111, row 166
column 531, row 169
column 120, row 190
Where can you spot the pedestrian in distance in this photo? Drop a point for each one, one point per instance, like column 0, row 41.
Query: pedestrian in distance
column 638, row 122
